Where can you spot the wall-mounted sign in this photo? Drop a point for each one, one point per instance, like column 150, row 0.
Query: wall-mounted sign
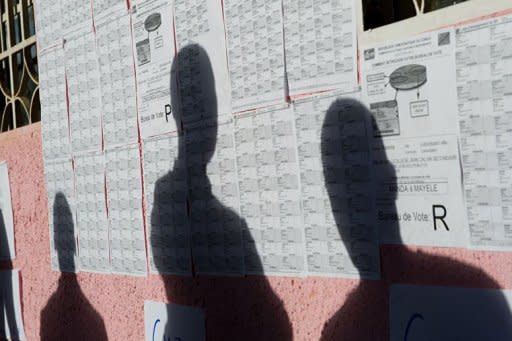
column 172, row 322
column 442, row 313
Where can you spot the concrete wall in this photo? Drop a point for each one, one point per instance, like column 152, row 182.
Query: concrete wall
column 337, row 307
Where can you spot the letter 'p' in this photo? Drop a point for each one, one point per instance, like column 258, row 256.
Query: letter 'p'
column 168, row 111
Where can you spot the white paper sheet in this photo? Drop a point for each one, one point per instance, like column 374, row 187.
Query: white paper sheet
column 321, row 47
column 75, row 14
column 11, row 320
column 173, row 322
column 268, row 175
column 441, row 313
column 255, row 53
column 91, row 215
column 214, row 199
column 410, row 88
column 59, row 179
column 484, row 86
column 7, row 249
column 48, row 30
column 106, row 9
column 124, row 193
column 165, row 183
column 54, row 112
column 84, row 90
column 153, row 42
column 117, row 76
column 329, row 246
column 201, row 22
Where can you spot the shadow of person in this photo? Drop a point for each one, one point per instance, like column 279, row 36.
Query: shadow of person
column 6, row 290
column 364, row 314
column 68, row 314
column 236, row 307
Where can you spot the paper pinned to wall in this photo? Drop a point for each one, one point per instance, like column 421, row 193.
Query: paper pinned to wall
column 7, row 249
column 48, row 29
column 124, row 193
column 91, row 216
column 75, row 15
column 11, row 321
column 255, row 53
column 447, row 313
column 84, row 90
column 60, row 182
column 105, row 9
column 214, row 199
column 117, row 76
column 484, row 86
column 336, row 186
column 201, row 23
column 321, row 46
column 165, row 183
column 54, row 113
column 410, row 88
column 153, row 41
column 268, row 175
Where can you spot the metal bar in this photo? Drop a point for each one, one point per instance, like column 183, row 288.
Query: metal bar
column 18, row 47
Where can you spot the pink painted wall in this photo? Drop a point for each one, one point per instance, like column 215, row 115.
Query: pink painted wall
column 348, row 309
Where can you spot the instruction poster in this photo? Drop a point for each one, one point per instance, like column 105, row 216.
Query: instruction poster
column 409, row 87
column 154, row 52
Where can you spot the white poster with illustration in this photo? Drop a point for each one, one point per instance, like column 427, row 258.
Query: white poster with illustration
column 409, row 86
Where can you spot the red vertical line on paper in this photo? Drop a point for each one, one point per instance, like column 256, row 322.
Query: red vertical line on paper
column 358, row 62
column 225, row 41
column 140, row 144
column 92, row 16
column 286, row 85
column 105, row 192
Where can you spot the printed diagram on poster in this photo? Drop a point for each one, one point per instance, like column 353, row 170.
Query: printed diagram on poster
column 403, row 81
column 410, row 89
column 154, row 51
column 173, row 322
column 6, row 219
column 426, row 313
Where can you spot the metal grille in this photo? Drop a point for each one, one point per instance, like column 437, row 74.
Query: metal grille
column 19, row 83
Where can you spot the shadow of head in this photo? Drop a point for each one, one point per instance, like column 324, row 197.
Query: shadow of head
column 350, row 166
column 63, row 232
column 193, row 95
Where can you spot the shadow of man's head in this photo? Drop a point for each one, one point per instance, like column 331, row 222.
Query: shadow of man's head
column 63, row 233
column 193, row 95
column 348, row 157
